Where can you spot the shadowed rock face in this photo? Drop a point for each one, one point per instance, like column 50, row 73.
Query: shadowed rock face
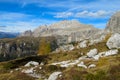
column 113, row 24
column 11, row 49
column 21, row 47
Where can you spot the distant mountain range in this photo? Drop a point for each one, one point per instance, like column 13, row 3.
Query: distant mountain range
column 8, row 35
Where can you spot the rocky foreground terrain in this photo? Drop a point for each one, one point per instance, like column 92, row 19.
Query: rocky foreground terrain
column 80, row 52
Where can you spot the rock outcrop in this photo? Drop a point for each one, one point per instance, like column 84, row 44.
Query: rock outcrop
column 114, row 41
column 113, row 24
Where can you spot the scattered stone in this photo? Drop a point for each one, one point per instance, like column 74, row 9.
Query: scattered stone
column 41, row 63
column 82, row 65
column 40, row 67
column 82, row 58
column 92, row 52
column 83, row 44
column 92, row 66
column 11, row 71
column 54, row 75
column 28, row 71
column 32, row 63
column 111, row 52
column 114, row 41
column 96, row 57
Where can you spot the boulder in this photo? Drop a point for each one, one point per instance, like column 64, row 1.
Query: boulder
column 82, row 65
column 54, row 75
column 114, row 41
column 92, row 66
column 28, row 71
column 108, row 53
column 111, row 52
column 31, row 63
column 96, row 57
column 83, row 44
column 92, row 52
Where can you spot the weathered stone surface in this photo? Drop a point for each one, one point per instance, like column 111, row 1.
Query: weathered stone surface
column 82, row 44
column 82, row 65
column 54, row 75
column 113, row 24
column 92, row 66
column 28, row 71
column 108, row 53
column 73, row 30
column 114, row 41
column 31, row 63
column 65, row 48
column 92, row 52
column 111, row 52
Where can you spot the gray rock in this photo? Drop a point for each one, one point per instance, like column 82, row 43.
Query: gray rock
column 54, row 75
column 92, row 66
column 31, row 63
column 111, row 52
column 108, row 53
column 92, row 53
column 82, row 44
column 82, row 65
column 114, row 41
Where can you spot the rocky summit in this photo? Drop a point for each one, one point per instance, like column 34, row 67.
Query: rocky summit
column 61, row 28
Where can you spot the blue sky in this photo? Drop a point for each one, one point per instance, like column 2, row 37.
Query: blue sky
column 21, row 15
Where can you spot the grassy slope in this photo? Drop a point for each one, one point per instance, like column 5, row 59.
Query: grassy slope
column 107, row 68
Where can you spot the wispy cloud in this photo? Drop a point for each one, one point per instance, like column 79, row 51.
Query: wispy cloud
column 84, row 14
column 13, row 16
column 96, row 14
column 63, row 15
column 19, row 22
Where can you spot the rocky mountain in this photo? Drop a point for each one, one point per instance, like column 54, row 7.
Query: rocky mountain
column 60, row 28
column 78, row 52
column 113, row 24
column 8, row 35
column 65, row 31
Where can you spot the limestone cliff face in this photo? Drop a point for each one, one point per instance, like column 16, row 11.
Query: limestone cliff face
column 62, row 28
column 113, row 24
column 73, row 30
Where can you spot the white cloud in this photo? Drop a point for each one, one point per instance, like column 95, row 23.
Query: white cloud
column 97, row 14
column 21, row 26
column 63, row 15
column 84, row 14
column 13, row 16
column 19, row 22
